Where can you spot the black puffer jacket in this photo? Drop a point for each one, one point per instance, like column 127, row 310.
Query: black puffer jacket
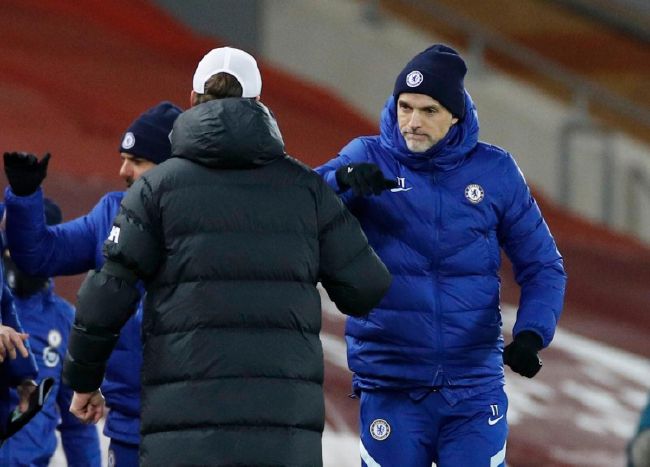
column 231, row 237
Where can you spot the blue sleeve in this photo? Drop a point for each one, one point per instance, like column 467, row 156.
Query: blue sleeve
column 48, row 251
column 537, row 263
column 80, row 441
column 21, row 368
column 353, row 153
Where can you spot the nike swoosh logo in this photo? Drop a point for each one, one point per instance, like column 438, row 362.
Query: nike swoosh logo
column 395, row 190
column 494, row 421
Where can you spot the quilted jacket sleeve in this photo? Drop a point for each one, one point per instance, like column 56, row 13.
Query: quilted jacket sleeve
column 107, row 298
column 538, row 265
column 352, row 274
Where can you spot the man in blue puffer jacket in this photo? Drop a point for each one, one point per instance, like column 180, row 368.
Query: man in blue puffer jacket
column 428, row 362
column 48, row 319
column 18, row 367
column 75, row 247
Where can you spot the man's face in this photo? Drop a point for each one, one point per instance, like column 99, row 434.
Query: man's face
column 422, row 120
column 133, row 167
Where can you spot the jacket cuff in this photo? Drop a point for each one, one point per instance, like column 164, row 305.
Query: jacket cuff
column 530, row 339
column 82, row 377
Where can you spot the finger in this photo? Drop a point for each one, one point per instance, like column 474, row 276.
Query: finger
column 80, row 413
column 364, row 186
column 93, row 414
column 23, row 405
column 9, row 157
column 99, row 412
column 377, row 185
column 9, row 346
column 3, row 349
column 45, row 160
column 17, row 340
column 356, row 187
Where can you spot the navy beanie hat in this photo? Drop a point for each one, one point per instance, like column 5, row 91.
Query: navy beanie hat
column 437, row 72
column 148, row 136
column 53, row 214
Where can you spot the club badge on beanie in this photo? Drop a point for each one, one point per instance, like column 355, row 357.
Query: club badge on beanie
column 148, row 136
column 233, row 61
column 438, row 72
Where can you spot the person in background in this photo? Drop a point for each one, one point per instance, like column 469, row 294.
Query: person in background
column 429, row 362
column 75, row 247
column 230, row 237
column 47, row 318
column 17, row 364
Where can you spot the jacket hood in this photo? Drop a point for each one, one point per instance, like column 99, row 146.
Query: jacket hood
column 228, row 133
column 446, row 154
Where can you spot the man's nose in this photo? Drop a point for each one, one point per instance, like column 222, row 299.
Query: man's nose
column 126, row 170
column 415, row 120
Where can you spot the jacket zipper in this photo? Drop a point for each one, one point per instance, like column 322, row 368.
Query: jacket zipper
column 436, row 284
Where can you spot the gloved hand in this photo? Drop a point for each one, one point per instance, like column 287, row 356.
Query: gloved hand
column 25, row 172
column 521, row 354
column 365, row 179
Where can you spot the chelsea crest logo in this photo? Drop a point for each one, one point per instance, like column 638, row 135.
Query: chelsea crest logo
column 414, row 79
column 380, row 429
column 474, row 193
column 129, row 140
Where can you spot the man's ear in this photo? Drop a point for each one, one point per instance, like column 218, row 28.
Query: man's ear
column 257, row 98
column 454, row 120
column 194, row 98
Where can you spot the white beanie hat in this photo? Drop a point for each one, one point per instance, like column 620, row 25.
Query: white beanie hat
column 235, row 62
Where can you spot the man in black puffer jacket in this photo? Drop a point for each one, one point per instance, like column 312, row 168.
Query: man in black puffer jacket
column 230, row 236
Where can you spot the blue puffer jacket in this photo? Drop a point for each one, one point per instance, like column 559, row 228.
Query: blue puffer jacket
column 47, row 318
column 75, row 247
column 12, row 372
column 440, row 235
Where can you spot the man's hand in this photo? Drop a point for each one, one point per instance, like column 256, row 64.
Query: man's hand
column 10, row 340
column 521, row 354
column 25, row 172
column 25, row 390
column 365, row 179
column 88, row 406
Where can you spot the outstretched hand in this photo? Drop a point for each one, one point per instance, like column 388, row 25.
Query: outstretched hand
column 10, row 341
column 25, row 172
column 365, row 179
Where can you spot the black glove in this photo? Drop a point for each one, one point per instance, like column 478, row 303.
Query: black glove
column 521, row 354
column 25, row 172
column 365, row 179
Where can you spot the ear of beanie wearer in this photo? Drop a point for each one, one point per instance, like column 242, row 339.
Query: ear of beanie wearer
column 148, row 136
column 438, row 72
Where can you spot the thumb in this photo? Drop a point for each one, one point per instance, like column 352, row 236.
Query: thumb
column 45, row 160
column 506, row 354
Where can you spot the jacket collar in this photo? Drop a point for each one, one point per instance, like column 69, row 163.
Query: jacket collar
column 447, row 154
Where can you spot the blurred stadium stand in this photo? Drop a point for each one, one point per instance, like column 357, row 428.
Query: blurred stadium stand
column 74, row 73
